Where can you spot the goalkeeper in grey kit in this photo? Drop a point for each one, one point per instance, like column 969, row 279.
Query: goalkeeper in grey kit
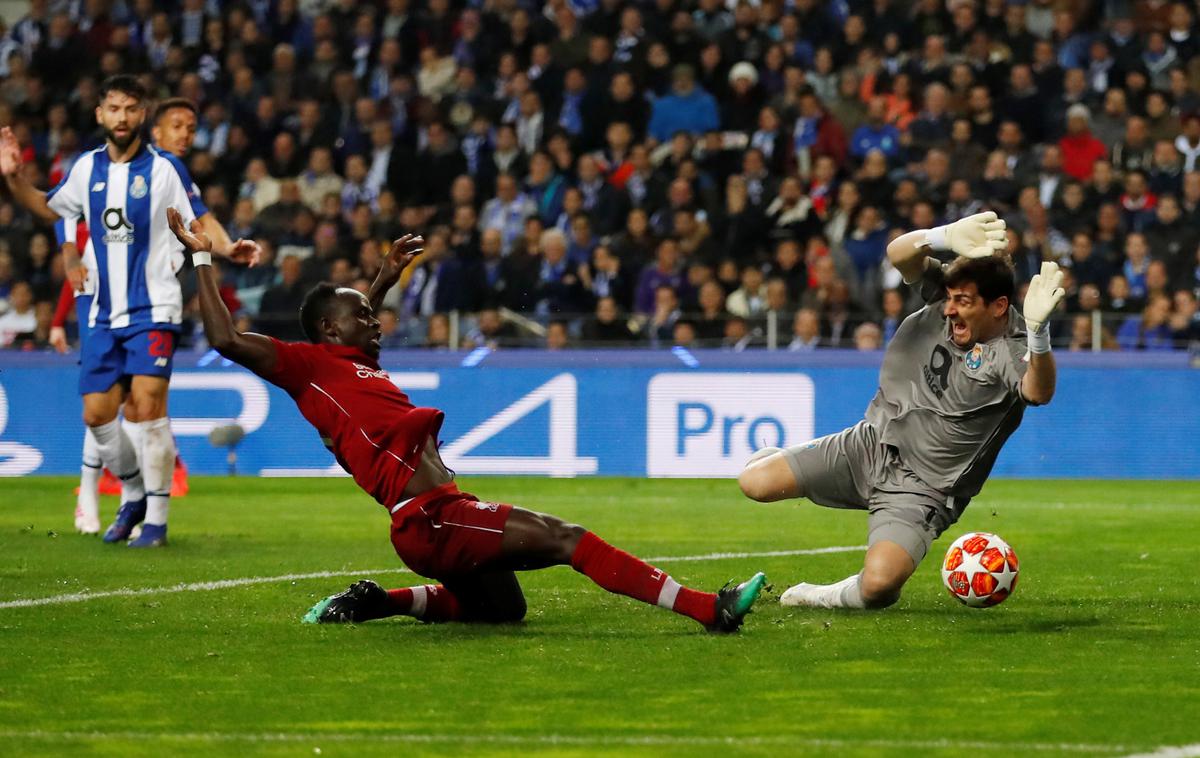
column 953, row 387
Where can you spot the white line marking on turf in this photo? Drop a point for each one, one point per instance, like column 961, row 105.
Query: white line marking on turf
column 1182, row 751
column 632, row 740
column 224, row 584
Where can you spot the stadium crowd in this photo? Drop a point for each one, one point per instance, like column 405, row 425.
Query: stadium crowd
column 674, row 172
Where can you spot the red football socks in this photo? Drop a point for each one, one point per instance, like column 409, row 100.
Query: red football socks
column 619, row 572
column 429, row 602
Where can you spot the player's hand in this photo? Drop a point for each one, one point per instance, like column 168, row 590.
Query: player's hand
column 77, row 276
column 404, row 250
column 977, row 236
column 1044, row 294
column 58, row 339
column 247, row 252
column 196, row 240
column 10, row 153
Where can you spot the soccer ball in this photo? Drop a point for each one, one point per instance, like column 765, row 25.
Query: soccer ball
column 980, row 570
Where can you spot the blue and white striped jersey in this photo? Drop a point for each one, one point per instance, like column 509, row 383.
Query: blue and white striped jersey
column 131, row 249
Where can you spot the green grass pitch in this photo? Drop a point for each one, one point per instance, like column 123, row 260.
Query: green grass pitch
column 1096, row 653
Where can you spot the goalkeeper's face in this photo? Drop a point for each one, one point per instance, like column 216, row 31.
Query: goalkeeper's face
column 970, row 318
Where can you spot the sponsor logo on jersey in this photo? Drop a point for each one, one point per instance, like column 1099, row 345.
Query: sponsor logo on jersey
column 161, row 362
column 493, row 507
column 195, row 191
column 366, row 372
column 138, row 188
column 120, row 231
column 98, row 187
column 974, row 359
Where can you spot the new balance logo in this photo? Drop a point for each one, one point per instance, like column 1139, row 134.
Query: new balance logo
column 98, row 187
column 160, row 362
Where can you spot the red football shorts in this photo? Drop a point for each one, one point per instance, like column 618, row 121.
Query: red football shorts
column 445, row 533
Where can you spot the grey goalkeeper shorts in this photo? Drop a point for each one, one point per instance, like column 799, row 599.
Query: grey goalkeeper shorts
column 852, row 469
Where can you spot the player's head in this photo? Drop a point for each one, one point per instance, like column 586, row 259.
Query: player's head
column 174, row 126
column 978, row 294
column 340, row 316
column 122, row 109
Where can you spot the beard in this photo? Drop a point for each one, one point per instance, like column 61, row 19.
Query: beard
column 120, row 142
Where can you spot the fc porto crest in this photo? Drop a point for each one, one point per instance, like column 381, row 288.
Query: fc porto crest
column 138, row 187
column 974, row 359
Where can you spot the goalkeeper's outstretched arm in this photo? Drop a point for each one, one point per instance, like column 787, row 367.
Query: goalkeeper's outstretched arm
column 1041, row 299
column 908, row 254
column 972, row 237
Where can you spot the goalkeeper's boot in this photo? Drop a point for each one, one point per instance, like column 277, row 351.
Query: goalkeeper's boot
column 733, row 603
column 363, row 601
column 129, row 515
column 153, row 535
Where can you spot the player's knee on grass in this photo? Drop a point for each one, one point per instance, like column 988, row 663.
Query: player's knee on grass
column 879, row 589
column 888, row 566
column 510, row 611
column 493, row 598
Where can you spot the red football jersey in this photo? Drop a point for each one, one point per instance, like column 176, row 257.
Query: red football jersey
column 370, row 426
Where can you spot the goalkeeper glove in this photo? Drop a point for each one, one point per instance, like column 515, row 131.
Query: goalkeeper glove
column 1044, row 294
column 975, row 236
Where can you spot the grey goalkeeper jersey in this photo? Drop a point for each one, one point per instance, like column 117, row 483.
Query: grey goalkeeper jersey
column 948, row 410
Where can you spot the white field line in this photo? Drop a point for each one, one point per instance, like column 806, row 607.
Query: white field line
column 1182, row 751
column 568, row 740
column 224, row 584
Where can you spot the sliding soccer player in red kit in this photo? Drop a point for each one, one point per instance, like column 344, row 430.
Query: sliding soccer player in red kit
column 471, row 547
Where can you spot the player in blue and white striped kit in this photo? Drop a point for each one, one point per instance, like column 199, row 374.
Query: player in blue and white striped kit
column 122, row 190
column 173, row 130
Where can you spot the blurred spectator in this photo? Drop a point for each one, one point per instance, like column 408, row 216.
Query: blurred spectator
column 687, row 108
column 893, row 313
column 664, row 272
column 491, row 331
column 557, row 336
column 750, row 299
column 437, row 332
column 1080, row 148
column 19, row 320
column 661, row 324
column 1150, row 330
column 806, row 331
column 608, row 327
column 507, row 211
column 867, row 337
column 683, row 334
column 876, row 134
column 1185, row 318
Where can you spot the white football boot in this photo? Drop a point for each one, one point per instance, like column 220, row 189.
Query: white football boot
column 805, row 595
column 86, row 523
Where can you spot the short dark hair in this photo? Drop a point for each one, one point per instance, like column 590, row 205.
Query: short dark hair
column 993, row 276
column 170, row 104
column 313, row 309
column 127, row 84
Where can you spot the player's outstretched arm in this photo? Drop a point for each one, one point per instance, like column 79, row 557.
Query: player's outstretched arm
column 1044, row 294
column 30, row 197
column 404, row 250
column 239, row 251
column 254, row 351
column 975, row 236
